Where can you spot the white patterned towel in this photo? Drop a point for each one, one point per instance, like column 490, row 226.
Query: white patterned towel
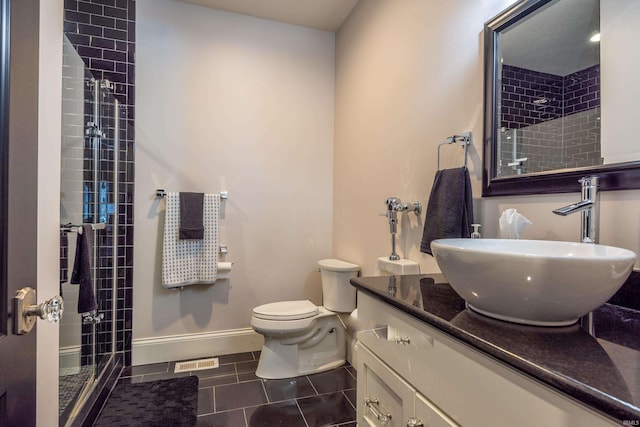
column 189, row 261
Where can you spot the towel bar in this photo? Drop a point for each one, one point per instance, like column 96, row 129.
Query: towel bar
column 160, row 194
column 464, row 139
column 75, row 228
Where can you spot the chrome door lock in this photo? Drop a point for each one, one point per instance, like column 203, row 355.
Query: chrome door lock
column 25, row 310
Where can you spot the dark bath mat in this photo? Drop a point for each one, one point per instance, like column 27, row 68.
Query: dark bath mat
column 172, row 402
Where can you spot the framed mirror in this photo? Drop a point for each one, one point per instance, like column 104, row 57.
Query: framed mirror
column 555, row 97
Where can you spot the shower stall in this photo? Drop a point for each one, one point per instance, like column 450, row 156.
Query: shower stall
column 512, row 161
column 91, row 135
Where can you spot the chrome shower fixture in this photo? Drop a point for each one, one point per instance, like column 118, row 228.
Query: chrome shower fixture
column 395, row 205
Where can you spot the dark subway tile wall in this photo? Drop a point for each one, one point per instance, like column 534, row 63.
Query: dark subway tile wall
column 582, row 90
column 103, row 33
column 529, row 97
column 554, row 119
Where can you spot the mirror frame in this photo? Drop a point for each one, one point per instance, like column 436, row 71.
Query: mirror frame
column 616, row 176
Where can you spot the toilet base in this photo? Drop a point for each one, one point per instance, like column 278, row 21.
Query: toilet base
column 325, row 350
column 274, row 370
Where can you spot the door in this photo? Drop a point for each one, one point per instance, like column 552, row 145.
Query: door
column 18, row 205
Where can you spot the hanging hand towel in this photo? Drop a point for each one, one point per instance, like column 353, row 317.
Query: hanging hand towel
column 82, row 273
column 190, row 261
column 450, row 209
column 191, row 216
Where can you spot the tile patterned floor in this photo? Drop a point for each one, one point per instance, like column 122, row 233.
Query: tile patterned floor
column 232, row 396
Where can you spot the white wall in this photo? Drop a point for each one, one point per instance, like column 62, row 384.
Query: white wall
column 408, row 74
column 230, row 102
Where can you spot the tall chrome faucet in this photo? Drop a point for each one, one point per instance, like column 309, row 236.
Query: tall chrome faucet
column 589, row 208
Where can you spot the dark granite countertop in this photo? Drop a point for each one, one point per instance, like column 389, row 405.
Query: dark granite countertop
column 601, row 370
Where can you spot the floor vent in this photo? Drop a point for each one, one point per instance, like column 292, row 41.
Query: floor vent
column 196, row 365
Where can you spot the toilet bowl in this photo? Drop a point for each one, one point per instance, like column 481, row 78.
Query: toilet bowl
column 301, row 338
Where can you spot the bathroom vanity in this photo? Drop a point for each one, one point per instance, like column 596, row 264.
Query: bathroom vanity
column 428, row 359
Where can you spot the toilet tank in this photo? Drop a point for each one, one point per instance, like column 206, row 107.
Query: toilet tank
column 337, row 293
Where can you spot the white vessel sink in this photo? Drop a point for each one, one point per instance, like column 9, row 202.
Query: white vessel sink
column 534, row 282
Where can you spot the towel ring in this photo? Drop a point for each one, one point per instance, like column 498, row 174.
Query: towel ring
column 464, row 139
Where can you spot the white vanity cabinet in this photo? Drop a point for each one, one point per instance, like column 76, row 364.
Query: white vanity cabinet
column 409, row 370
column 389, row 401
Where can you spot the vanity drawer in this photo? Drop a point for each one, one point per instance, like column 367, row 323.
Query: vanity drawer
column 384, row 399
column 396, row 340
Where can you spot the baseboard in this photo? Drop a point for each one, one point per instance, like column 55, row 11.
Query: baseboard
column 70, row 357
column 192, row 346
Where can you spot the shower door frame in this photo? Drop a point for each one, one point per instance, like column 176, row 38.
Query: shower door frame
column 106, row 369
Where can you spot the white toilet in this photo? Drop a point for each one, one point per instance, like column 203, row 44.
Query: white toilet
column 301, row 338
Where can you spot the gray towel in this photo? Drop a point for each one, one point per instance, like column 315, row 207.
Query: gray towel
column 191, row 214
column 450, row 209
column 82, row 274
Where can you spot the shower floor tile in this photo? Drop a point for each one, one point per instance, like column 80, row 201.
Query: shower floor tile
column 232, row 395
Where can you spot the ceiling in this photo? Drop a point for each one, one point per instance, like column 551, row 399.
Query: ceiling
column 552, row 40
column 325, row 15
column 555, row 38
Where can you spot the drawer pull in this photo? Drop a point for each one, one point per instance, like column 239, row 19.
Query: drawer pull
column 413, row 422
column 403, row 341
column 373, row 404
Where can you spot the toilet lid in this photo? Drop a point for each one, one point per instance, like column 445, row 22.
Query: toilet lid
column 286, row 310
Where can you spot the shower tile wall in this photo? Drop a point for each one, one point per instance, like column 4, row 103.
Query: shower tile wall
column 103, row 33
column 529, row 97
column 532, row 101
column 581, row 128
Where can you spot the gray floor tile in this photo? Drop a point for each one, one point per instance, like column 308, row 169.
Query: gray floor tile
column 241, row 395
column 290, row 388
column 284, row 413
column 223, row 419
column 333, row 380
column 327, row 409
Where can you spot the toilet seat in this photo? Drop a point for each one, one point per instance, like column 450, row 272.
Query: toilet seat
column 286, row 310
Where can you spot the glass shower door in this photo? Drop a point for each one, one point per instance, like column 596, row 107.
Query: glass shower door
column 90, row 158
